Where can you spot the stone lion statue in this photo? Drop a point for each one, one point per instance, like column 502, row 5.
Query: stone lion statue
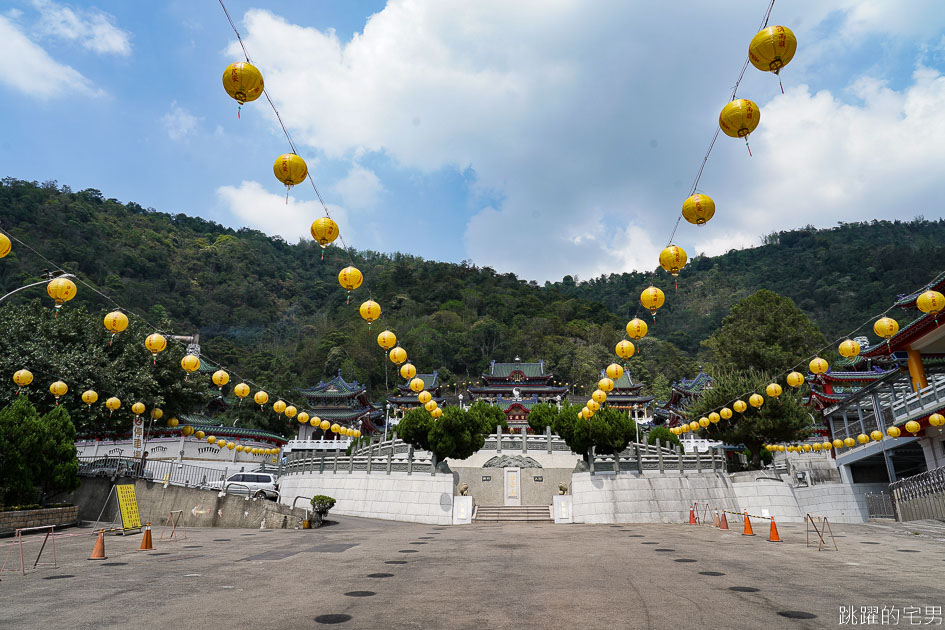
column 463, row 489
column 563, row 488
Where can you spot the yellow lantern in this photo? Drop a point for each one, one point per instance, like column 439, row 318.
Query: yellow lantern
column 89, row 397
column 876, row 435
column 254, row 450
column 58, row 389
column 61, row 290
column 417, row 385
column 137, row 408
column 336, row 428
column 588, row 414
column 173, row 422
column 116, row 322
column 241, row 391
column 862, row 438
column 756, row 400
column 357, row 433
column 936, row 420
column 324, row 231
column 279, row 406
column 725, row 412
column 684, row 428
column 795, row 379
column 714, row 418
column 893, row 432
column 703, row 422
column 614, row 371
column 199, row 435
column 157, row 413
column 605, row 385
column 261, row 398
column 243, row 82
column 370, row 311
column 593, row 405
column 424, row 397
column 739, row 118
column 652, row 299
column 807, row 448
column 599, row 396
column 5, row 246
column 350, row 278
column 398, row 355
column 693, row 426
column 818, row 366
column 324, row 426
column 290, row 169
column 155, row 343
column 22, row 378
column 827, row 445
column 211, row 439
column 837, row 443
column 636, row 328
column 913, row 427
column 408, row 371
column 187, row 430
column 625, row 349
column 387, row 340
column 220, row 378
column 190, row 363
column 780, row 448
column 849, row 442
column 436, row 413
column 583, row 413
column 773, row 390
column 931, row 302
column 430, row 406
column 239, row 448
column 290, row 411
column 231, row 445
column 673, row 259
column 886, row 327
column 302, row 417
column 698, row 209
column 772, row 48
column 739, row 406
column 815, row 446
column 849, row 348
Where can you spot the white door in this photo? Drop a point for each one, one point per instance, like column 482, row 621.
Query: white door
column 513, row 490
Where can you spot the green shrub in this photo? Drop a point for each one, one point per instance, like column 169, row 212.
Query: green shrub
column 664, row 435
column 322, row 503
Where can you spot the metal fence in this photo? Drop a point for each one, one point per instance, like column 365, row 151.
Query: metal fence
column 162, row 471
column 921, row 496
column 880, row 505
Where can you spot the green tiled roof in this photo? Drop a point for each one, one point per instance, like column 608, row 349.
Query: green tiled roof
column 340, row 413
column 503, row 370
column 909, row 300
column 505, row 405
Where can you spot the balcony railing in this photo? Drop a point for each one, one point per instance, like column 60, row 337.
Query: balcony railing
column 920, row 403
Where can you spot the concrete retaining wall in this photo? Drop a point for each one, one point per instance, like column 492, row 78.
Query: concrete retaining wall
column 10, row 521
column 399, row 497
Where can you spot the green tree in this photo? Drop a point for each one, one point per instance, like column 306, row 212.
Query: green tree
column 608, row 431
column 764, row 331
column 456, row 434
column 663, row 434
column 58, row 470
column 489, row 416
column 780, row 420
column 414, row 428
column 542, row 416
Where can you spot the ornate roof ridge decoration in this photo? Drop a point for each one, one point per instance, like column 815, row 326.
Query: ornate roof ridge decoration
column 337, row 382
column 906, row 335
column 512, row 461
column 694, row 385
column 908, row 300
column 872, row 375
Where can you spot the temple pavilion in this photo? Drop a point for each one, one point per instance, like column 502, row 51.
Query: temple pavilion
column 517, row 387
column 406, row 399
column 627, row 396
column 341, row 402
column 672, row 412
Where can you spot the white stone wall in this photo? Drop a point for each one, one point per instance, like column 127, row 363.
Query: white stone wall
column 195, row 452
column 417, row 498
column 775, row 497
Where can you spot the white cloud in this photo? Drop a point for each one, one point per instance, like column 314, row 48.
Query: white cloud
column 589, row 124
column 179, row 123
column 31, row 70
column 269, row 212
column 93, row 29
column 360, row 188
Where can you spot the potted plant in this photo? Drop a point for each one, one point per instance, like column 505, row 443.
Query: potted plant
column 320, row 506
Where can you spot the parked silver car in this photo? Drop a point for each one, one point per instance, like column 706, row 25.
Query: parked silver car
column 258, row 485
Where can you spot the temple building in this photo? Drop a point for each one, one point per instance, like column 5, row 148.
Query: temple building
column 672, row 412
column 406, row 399
column 627, row 396
column 337, row 401
column 890, row 383
column 516, row 388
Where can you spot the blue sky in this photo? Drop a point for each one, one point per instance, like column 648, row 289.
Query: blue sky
column 540, row 137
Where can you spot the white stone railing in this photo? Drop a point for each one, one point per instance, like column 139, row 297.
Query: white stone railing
column 920, row 403
column 316, row 445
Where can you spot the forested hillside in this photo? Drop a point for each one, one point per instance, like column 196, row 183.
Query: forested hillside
column 275, row 309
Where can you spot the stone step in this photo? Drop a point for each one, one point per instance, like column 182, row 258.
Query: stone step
column 521, row 513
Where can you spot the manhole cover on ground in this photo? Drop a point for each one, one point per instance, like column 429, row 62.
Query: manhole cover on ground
column 682, row 559
column 636, row 536
column 866, row 542
column 908, row 550
column 797, row 614
column 253, row 534
column 649, row 543
column 58, row 577
column 712, row 573
column 328, row 619
column 360, row 593
column 160, row 553
column 193, row 547
column 396, row 562
column 221, row 540
column 743, row 589
column 418, row 543
column 424, row 537
column 380, row 575
column 407, row 551
column 112, row 564
column 664, row 550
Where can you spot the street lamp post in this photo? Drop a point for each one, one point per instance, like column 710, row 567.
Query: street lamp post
column 47, row 276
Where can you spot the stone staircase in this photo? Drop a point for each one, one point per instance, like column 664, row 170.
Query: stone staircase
column 512, row 513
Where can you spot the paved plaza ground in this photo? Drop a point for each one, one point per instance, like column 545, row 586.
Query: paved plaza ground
column 358, row 573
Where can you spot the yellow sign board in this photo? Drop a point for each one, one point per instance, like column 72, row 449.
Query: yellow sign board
column 128, row 504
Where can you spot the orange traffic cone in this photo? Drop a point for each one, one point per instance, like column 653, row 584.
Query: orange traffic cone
column 773, row 536
column 723, row 524
column 692, row 517
column 715, row 519
column 748, row 531
column 98, row 551
column 146, row 539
